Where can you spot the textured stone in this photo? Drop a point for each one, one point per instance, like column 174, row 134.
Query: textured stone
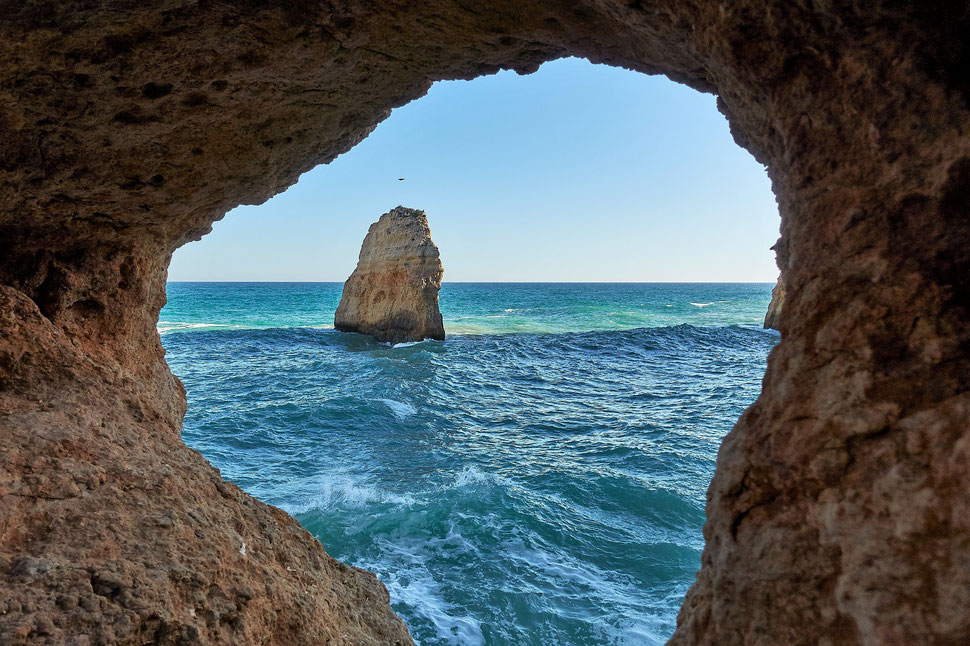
column 773, row 315
column 838, row 512
column 393, row 293
column 111, row 528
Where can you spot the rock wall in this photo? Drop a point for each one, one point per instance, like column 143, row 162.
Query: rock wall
column 838, row 510
column 393, row 293
column 112, row 531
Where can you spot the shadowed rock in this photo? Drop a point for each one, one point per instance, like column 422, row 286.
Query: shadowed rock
column 393, row 293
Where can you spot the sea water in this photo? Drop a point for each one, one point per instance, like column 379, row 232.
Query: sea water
column 537, row 478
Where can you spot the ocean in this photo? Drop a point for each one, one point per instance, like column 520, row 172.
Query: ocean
column 537, row 478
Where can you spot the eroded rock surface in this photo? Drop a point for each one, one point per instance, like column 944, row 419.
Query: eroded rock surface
column 112, row 531
column 838, row 512
column 393, row 293
column 773, row 315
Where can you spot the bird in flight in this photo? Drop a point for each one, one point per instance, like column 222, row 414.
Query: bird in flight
column 400, row 179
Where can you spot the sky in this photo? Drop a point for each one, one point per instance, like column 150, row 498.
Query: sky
column 575, row 173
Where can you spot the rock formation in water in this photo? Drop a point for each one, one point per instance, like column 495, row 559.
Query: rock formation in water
column 838, row 512
column 773, row 314
column 393, row 293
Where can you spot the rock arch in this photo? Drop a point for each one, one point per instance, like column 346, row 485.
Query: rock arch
column 839, row 509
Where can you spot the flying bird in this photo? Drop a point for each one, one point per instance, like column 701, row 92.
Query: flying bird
column 400, row 179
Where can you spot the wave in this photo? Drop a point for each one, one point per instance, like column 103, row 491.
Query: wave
column 471, row 475
column 173, row 326
column 401, row 410
column 414, row 537
column 168, row 327
column 538, row 479
column 342, row 490
column 406, row 571
column 405, row 344
column 421, row 547
column 499, row 324
column 684, row 336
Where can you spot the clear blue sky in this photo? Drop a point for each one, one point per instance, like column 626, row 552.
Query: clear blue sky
column 578, row 172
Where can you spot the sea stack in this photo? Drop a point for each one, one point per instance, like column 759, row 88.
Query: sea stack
column 393, row 293
column 775, row 306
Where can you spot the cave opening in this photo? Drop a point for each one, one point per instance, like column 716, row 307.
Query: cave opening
column 836, row 511
column 575, row 466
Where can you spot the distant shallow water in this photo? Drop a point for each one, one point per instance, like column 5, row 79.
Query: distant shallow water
column 538, row 478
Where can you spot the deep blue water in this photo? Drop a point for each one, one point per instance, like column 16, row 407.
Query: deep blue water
column 537, row 478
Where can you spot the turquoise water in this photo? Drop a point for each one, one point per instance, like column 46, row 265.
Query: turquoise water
column 538, row 478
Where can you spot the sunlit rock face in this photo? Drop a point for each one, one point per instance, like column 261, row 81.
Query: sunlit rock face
column 393, row 293
column 839, row 512
column 773, row 315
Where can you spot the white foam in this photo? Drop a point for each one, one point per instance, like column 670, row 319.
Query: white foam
column 642, row 633
column 405, row 344
column 469, row 328
column 401, row 410
column 556, row 570
column 472, row 475
column 702, row 304
column 403, row 568
column 420, row 591
column 170, row 326
column 344, row 490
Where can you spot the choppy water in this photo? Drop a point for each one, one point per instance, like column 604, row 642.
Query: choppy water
column 538, row 478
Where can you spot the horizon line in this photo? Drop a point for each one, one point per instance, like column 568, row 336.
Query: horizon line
column 514, row 282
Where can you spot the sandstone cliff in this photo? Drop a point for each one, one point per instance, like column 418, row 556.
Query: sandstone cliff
column 774, row 307
column 393, row 293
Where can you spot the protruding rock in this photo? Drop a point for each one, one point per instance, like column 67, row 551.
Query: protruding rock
column 393, row 293
column 774, row 307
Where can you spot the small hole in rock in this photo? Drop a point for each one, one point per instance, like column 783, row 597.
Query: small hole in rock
column 156, row 90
